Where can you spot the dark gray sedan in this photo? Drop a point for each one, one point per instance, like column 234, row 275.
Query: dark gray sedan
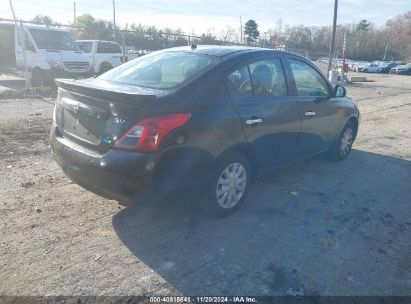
column 204, row 120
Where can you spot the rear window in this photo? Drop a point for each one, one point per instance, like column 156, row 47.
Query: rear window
column 162, row 70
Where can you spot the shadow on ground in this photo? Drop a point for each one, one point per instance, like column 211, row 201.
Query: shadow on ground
column 318, row 227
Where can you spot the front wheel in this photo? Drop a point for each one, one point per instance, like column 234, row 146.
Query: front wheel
column 104, row 68
column 342, row 147
column 229, row 185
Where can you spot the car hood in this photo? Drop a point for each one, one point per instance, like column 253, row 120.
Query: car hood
column 57, row 55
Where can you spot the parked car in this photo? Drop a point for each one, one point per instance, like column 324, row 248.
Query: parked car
column 404, row 69
column 104, row 55
column 358, row 67
column 207, row 120
column 132, row 54
column 371, row 68
column 385, row 68
column 49, row 52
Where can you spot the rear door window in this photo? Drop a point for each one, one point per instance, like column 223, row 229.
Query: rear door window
column 268, row 78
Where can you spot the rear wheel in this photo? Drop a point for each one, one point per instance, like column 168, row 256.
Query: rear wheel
column 228, row 186
column 343, row 145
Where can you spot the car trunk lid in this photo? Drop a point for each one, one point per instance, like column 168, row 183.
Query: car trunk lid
column 96, row 113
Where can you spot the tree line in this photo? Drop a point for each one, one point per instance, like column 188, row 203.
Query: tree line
column 364, row 40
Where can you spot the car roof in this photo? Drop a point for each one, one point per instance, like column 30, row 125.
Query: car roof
column 44, row 27
column 223, row 51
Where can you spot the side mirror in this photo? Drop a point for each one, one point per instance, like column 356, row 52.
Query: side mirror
column 340, row 91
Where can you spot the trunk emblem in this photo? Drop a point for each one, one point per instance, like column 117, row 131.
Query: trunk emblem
column 119, row 120
column 75, row 108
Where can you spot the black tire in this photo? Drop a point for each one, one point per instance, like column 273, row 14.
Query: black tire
column 105, row 68
column 340, row 150
column 209, row 202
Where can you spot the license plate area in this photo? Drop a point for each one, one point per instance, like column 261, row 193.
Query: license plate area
column 84, row 122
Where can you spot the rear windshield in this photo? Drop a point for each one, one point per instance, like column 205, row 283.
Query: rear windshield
column 162, row 70
column 53, row 40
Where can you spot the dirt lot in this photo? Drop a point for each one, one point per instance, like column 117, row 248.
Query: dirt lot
column 317, row 227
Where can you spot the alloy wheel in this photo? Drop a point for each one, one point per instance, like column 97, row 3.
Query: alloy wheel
column 346, row 141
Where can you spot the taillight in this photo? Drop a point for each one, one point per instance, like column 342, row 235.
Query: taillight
column 147, row 135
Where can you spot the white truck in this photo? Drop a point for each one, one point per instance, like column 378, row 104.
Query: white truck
column 104, row 55
column 50, row 53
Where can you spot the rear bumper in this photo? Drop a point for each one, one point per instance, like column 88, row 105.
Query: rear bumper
column 120, row 175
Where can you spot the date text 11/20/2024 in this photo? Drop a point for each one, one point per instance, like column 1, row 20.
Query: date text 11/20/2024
column 170, row 299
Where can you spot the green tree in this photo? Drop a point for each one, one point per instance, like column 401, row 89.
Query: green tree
column 90, row 28
column 251, row 32
column 363, row 25
column 42, row 20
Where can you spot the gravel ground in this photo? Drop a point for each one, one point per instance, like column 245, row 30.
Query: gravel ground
column 316, row 227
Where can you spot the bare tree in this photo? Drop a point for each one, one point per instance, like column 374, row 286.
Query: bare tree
column 228, row 34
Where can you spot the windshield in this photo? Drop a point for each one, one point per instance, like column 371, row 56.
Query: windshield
column 161, row 70
column 86, row 47
column 54, row 40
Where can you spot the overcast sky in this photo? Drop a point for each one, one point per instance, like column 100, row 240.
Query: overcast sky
column 198, row 16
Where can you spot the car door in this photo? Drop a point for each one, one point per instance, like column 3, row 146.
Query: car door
column 29, row 52
column 317, row 107
column 269, row 115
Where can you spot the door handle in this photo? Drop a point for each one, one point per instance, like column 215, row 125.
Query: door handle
column 309, row 114
column 255, row 121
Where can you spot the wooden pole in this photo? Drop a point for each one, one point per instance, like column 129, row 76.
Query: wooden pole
column 332, row 46
column 22, row 40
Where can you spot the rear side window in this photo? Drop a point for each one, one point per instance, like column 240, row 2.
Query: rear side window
column 108, row 47
column 268, row 78
column 307, row 80
column 162, row 70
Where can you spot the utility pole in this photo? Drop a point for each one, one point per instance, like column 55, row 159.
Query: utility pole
column 20, row 37
column 332, row 46
column 114, row 21
column 74, row 16
column 385, row 51
column 241, row 31
column 386, row 46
